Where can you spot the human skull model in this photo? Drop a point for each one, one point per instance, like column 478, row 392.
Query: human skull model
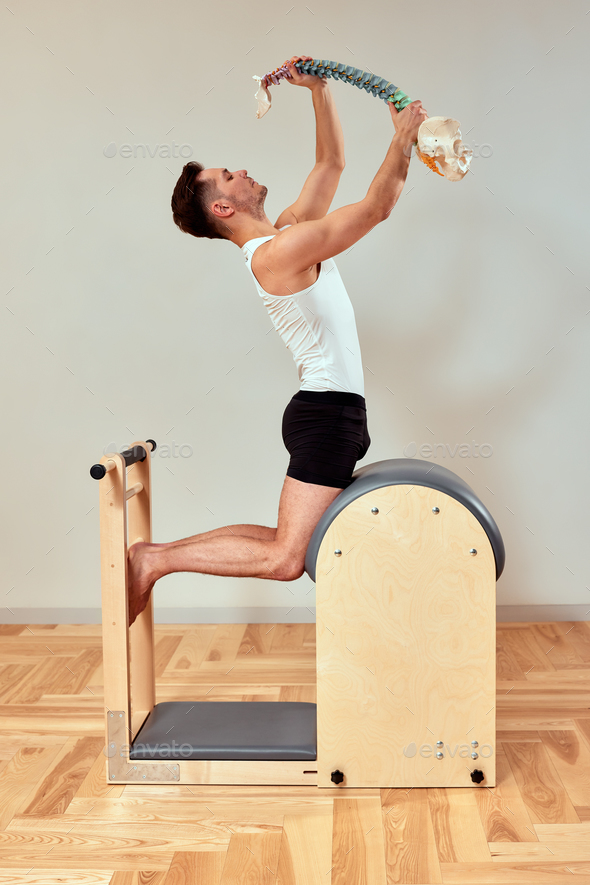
column 439, row 141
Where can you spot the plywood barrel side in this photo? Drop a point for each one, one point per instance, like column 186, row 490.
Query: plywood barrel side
column 405, row 642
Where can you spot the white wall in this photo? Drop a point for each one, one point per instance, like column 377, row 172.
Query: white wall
column 472, row 300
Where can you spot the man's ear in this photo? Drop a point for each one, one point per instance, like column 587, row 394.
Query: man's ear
column 222, row 210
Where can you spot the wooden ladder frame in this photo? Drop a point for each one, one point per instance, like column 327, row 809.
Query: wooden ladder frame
column 128, row 652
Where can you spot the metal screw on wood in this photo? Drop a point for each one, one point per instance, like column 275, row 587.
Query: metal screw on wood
column 473, row 552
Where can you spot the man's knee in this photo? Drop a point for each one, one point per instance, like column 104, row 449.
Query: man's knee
column 290, row 567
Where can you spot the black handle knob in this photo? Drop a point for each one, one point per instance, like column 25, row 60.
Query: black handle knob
column 131, row 456
column 337, row 777
column 477, row 776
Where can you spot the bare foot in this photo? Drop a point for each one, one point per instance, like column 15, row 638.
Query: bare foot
column 141, row 578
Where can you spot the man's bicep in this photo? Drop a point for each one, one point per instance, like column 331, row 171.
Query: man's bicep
column 309, row 242
column 316, row 195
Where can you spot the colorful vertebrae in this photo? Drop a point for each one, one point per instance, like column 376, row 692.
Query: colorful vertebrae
column 377, row 86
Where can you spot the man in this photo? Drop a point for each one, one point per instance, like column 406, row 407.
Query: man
column 291, row 262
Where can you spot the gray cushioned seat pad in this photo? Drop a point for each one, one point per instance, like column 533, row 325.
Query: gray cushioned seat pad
column 276, row 730
column 407, row 471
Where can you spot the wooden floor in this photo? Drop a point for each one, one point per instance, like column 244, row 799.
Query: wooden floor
column 60, row 822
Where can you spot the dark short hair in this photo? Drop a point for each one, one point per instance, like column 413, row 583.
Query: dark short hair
column 190, row 205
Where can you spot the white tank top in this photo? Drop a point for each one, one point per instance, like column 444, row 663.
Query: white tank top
column 318, row 326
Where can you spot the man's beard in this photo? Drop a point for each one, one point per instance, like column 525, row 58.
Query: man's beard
column 255, row 206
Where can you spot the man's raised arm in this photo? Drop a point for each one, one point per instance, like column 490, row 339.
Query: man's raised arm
column 305, row 244
column 321, row 184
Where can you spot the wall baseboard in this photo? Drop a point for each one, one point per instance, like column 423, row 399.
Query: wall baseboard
column 265, row 615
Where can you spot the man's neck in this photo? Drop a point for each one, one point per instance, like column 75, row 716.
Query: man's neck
column 252, row 230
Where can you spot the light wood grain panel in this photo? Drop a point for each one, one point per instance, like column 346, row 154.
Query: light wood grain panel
column 196, row 868
column 252, row 860
column 390, row 684
column 230, row 771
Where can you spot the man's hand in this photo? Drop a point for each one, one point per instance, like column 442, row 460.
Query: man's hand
column 296, row 78
column 407, row 122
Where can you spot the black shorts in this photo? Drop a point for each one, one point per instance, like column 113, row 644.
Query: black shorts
column 325, row 433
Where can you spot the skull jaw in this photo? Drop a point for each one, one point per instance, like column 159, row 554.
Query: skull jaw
column 439, row 142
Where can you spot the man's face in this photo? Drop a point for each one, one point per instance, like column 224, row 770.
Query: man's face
column 243, row 193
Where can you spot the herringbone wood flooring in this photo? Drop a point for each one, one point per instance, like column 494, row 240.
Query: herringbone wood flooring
column 60, row 822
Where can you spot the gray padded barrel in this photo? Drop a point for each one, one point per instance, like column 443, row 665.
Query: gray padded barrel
column 407, row 471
